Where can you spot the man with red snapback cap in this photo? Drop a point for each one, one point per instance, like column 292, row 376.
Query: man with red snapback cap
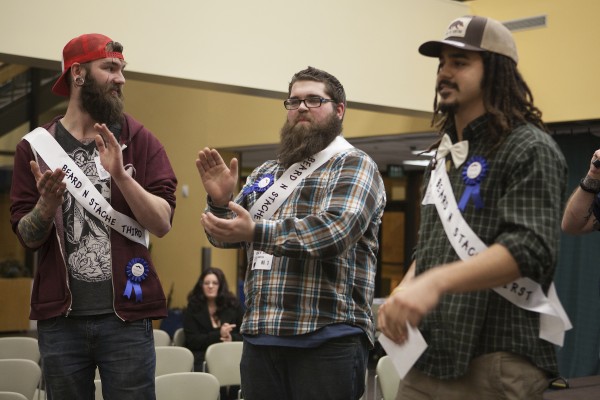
column 86, row 190
column 480, row 287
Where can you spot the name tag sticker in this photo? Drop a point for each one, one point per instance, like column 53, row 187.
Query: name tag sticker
column 262, row 260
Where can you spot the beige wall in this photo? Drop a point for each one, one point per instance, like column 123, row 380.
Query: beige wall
column 560, row 62
column 249, row 44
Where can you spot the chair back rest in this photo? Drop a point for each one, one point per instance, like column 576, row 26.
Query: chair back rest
column 223, row 361
column 12, row 396
column 170, row 359
column 179, row 337
column 387, row 377
column 187, row 386
column 161, row 338
column 19, row 347
column 98, row 395
column 20, row 376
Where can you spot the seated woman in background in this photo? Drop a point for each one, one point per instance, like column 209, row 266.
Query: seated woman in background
column 213, row 315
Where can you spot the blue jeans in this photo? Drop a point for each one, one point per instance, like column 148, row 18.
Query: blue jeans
column 71, row 348
column 334, row 370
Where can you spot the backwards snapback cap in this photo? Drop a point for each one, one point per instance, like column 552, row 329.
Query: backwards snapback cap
column 476, row 34
column 82, row 49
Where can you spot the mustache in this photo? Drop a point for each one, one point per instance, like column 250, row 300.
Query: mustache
column 446, row 83
column 117, row 89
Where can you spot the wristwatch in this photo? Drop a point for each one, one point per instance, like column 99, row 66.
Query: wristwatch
column 590, row 185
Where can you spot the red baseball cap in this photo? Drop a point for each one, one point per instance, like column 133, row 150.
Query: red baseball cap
column 82, row 49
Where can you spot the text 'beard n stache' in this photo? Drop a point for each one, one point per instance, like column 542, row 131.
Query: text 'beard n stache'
column 301, row 141
column 102, row 106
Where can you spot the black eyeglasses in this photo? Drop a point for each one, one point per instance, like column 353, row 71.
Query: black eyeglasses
column 310, row 102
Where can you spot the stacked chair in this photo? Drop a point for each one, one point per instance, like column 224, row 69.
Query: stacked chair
column 20, row 371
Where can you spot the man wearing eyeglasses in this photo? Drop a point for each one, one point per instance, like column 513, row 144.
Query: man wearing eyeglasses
column 309, row 221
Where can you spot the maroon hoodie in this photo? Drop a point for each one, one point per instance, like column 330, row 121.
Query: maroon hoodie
column 51, row 295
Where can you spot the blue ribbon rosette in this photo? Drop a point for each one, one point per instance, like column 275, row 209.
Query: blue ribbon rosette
column 137, row 271
column 473, row 173
column 260, row 185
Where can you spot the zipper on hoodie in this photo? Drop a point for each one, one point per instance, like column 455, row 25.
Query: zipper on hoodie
column 62, row 254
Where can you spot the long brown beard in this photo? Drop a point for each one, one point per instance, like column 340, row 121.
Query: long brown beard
column 301, row 141
column 102, row 106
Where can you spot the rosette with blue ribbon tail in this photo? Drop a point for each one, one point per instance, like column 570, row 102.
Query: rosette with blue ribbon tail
column 136, row 270
column 260, row 185
column 473, row 173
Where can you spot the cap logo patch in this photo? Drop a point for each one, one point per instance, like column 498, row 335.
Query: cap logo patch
column 458, row 28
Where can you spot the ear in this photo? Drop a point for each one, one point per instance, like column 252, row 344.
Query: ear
column 340, row 109
column 76, row 70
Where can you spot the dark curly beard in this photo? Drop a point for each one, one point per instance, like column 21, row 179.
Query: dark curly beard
column 102, row 106
column 301, row 141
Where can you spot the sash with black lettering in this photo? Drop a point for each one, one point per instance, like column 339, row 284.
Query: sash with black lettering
column 281, row 189
column 524, row 292
column 82, row 189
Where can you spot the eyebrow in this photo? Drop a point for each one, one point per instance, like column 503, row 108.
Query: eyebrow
column 121, row 64
column 307, row 96
column 458, row 55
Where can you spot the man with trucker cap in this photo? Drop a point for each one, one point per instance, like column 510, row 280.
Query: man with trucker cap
column 489, row 231
column 86, row 190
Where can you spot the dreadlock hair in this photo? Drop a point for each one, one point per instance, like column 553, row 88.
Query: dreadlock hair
column 506, row 97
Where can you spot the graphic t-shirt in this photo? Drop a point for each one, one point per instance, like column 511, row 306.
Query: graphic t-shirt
column 87, row 239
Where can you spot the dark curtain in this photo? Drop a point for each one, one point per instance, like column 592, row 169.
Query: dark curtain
column 578, row 273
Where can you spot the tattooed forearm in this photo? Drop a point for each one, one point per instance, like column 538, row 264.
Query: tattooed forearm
column 34, row 228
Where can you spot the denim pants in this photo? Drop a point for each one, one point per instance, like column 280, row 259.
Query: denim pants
column 71, row 348
column 334, row 370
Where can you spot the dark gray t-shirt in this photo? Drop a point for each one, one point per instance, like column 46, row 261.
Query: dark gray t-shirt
column 87, row 240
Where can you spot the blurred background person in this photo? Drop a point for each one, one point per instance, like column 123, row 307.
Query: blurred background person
column 213, row 315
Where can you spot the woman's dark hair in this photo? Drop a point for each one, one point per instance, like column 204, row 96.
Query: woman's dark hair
column 225, row 298
column 507, row 100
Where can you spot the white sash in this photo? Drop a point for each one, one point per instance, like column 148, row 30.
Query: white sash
column 524, row 292
column 269, row 202
column 82, row 189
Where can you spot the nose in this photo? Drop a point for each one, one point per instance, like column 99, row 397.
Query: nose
column 120, row 78
column 444, row 71
column 302, row 107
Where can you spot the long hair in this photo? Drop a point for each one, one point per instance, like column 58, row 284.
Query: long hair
column 225, row 298
column 507, row 100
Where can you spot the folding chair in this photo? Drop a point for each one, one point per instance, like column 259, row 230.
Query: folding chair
column 223, row 361
column 12, row 396
column 171, row 359
column 19, row 347
column 20, row 376
column 387, row 379
column 187, row 386
column 179, row 337
column 161, row 338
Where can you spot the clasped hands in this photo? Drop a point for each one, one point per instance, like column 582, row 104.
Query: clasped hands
column 226, row 329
